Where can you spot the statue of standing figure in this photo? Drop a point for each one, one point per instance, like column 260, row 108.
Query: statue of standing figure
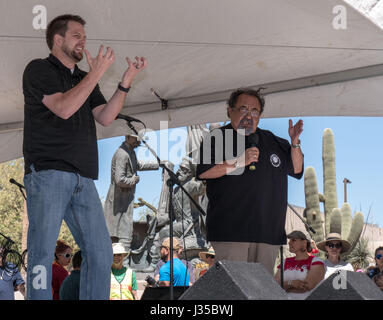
column 119, row 204
column 188, row 224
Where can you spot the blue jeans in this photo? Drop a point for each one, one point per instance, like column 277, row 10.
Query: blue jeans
column 52, row 196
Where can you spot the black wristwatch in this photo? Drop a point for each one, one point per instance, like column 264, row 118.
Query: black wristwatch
column 120, row 87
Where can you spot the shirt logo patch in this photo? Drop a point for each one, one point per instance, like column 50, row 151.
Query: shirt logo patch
column 275, row 161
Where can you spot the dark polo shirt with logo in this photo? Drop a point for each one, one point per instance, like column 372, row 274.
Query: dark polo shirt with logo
column 49, row 141
column 251, row 206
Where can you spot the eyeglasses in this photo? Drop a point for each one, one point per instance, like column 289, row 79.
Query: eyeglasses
column 336, row 245
column 210, row 256
column 243, row 111
column 67, row 255
column 378, row 256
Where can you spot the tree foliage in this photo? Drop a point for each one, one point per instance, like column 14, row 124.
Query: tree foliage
column 12, row 205
column 11, row 201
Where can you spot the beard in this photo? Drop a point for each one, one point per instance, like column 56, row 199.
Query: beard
column 76, row 56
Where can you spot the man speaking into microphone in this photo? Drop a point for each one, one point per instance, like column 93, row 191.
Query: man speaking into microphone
column 247, row 191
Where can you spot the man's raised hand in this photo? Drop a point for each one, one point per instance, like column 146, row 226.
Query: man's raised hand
column 134, row 68
column 101, row 62
column 295, row 130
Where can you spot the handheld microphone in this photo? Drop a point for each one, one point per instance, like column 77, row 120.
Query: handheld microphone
column 13, row 181
column 127, row 118
column 253, row 141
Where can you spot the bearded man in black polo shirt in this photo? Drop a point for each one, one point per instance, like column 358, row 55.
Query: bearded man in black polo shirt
column 247, row 208
column 62, row 103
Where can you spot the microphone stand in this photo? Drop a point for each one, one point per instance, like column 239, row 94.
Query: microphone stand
column 281, row 248
column 173, row 180
column 21, row 190
column 304, row 222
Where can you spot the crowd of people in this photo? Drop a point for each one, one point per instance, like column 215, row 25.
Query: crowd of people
column 301, row 273
column 246, row 185
column 305, row 271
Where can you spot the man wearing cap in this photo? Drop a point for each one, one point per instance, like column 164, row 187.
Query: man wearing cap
column 119, row 204
column 123, row 284
column 180, row 272
column 164, row 258
column 334, row 246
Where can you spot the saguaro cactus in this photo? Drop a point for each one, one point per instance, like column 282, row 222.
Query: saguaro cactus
column 336, row 220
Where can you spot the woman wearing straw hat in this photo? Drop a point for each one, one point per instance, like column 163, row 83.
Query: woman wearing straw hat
column 123, row 284
column 208, row 257
column 334, row 246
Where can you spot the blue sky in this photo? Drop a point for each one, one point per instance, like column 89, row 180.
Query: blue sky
column 358, row 152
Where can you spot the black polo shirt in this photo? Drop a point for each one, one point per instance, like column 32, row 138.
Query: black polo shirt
column 51, row 142
column 251, row 206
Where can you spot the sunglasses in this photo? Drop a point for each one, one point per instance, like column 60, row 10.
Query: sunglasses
column 334, row 245
column 210, row 256
column 68, row 255
column 379, row 256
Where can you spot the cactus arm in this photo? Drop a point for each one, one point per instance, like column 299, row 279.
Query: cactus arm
column 336, row 221
column 356, row 229
column 312, row 212
column 346, row 220
column 329, row 175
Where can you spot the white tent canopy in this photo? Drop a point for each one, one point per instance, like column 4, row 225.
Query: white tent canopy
column 198, row 51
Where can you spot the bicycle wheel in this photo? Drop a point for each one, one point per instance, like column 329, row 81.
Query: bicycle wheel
column 24, row 258
column 12, row 261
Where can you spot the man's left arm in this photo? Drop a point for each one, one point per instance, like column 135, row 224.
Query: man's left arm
column 147, row 165
column 105, row 114
column 296, row 152
column 164, row 280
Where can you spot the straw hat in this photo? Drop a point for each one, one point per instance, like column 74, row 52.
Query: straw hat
column 303, row 235
column 346, row 246
column 118, row 248
column 203, row 254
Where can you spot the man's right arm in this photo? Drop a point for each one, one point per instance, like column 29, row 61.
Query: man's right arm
column 228, row 166
column 219, row 170
column 64, row 105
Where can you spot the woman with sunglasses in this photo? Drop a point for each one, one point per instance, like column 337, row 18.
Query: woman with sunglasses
column 334, row 246
column 63, row 256
column 379, row 263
